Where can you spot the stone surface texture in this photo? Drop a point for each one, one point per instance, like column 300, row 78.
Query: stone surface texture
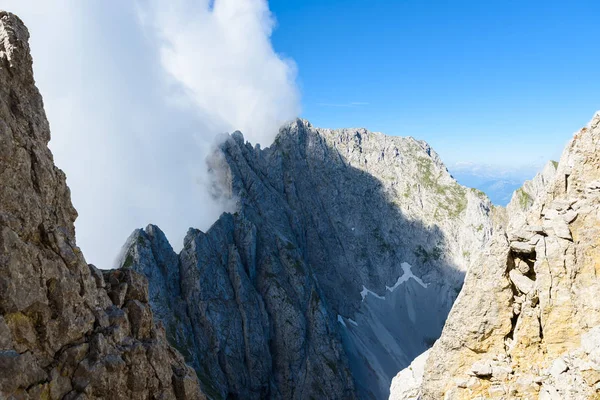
column 67, row 330
column 529, row 310
column 407, row 384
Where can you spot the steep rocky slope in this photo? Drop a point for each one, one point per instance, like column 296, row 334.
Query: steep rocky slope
column 527, row 322
column 67, row 331
column 339, row 267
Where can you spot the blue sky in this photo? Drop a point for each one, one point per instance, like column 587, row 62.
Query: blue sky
column 504, row 83
column 498, row 84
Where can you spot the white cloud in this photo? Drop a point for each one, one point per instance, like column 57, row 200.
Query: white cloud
column 224, row 58
column 136, row 93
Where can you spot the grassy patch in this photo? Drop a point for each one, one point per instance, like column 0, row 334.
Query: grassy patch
column 425, row 256
column 425, row 167
column 317, row 387
column 298, row 267
column 479, row 193
column 128, row 261
column 383, row 244
column 314, row 299
column 270, row 275
column 524, row 198
column 332, row 366
column 452, row 200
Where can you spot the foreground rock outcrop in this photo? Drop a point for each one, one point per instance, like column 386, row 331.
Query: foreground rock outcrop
column 67, row 330
column 339, row 267
column 527, row 322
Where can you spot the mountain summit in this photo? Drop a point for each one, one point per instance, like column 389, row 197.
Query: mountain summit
column 339, row 267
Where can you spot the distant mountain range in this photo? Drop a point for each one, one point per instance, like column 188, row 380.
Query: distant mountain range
column 496, row 182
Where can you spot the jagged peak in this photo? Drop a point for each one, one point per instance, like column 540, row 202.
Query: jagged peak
column 298, row 122
column 14, row 42
column 238, row 137
column 595, row 119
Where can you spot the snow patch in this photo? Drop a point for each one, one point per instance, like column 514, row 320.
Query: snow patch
column 341, row 320
column 353, row 322
column 364, row 292
column 407, row 274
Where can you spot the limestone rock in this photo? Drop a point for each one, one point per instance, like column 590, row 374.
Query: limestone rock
column 63, row 334
column 521, row 282
column 522, row 247
column 549, row 334
column 558, row 367
column 407, row 384
column 335, row 231
column 481, row 369
column 522, row 267
column 560, row 228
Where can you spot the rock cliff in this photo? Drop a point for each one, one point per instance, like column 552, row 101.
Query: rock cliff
column 527, row 322
column 339, row 267
column 67, row 330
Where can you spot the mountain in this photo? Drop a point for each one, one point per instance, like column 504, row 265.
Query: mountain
column 527, row 322
column 67, row 330
column 339, row 267
column 498, row 183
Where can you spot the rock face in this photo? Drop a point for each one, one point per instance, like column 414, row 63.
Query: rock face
column 67, row 330
column 527, row 320
column 407, row 384
column 339, row 267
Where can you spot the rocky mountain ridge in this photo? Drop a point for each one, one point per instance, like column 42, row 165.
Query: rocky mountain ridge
column 527, row 322
column 336, row 230
column 67, row 330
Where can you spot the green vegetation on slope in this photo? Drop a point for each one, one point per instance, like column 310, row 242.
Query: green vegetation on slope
column 524, row 198
column 452, row 198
